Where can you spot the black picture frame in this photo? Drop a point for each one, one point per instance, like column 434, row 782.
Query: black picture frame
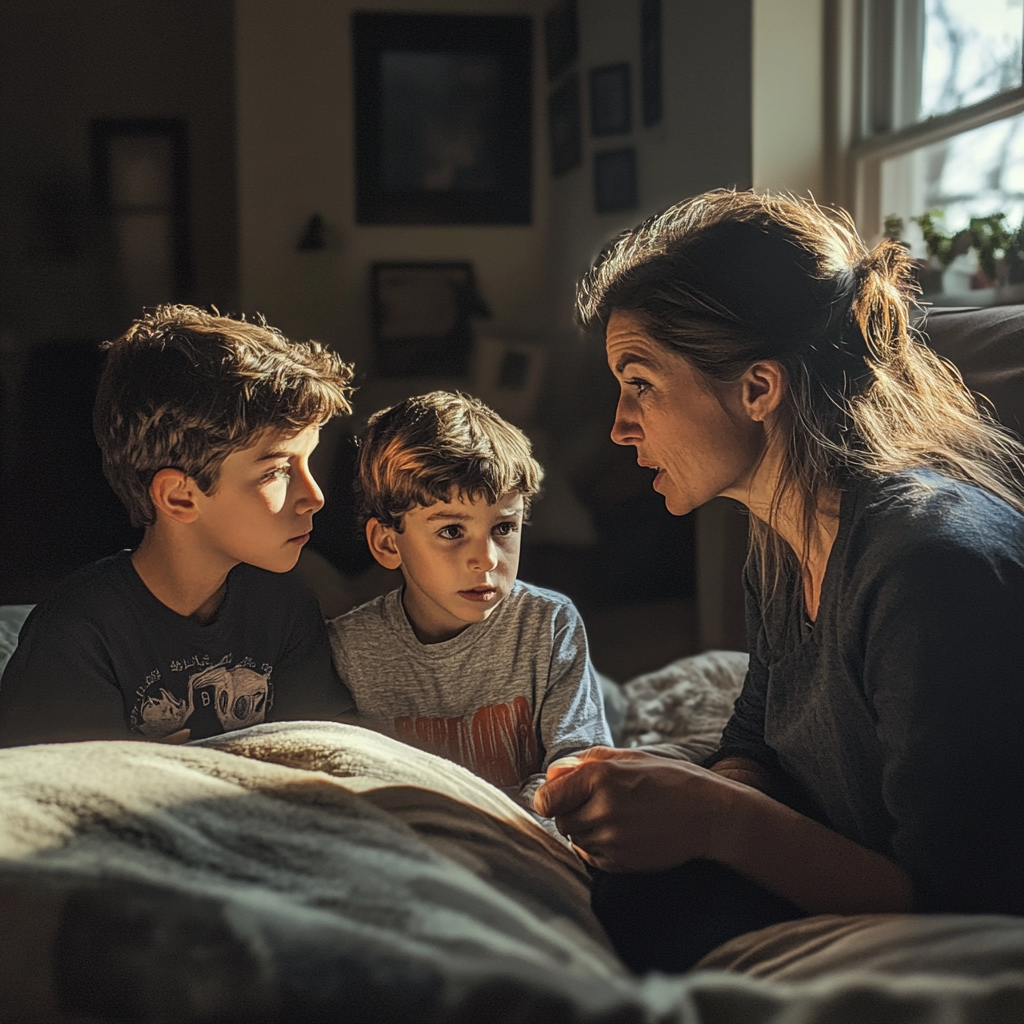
column 443, row 118
column 615, row 180
column 103, row 131
column 422, row 313
column 561, row 38
column 650, row 62
column 565, row 134
column 611, row 108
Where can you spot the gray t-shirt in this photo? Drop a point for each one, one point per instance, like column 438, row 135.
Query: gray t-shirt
column 504, row 698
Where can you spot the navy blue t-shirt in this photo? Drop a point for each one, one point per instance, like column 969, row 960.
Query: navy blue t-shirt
column 899, row 711
column 102, row 658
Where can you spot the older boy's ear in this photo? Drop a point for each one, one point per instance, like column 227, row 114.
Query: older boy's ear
column 173, row 495
column 381, row 540
column 763, row 384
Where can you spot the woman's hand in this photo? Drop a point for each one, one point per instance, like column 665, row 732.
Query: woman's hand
column 626, row 810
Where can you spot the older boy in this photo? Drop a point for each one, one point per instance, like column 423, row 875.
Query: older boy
column 463, row 660
column 206, row 425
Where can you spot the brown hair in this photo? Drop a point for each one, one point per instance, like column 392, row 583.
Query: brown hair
column 183, row 389
column 438, row 446
column 729, row 278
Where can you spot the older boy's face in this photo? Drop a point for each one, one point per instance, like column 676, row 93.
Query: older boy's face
column 459, row 560
column 261, row 508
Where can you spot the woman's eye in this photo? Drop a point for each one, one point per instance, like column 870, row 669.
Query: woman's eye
column 638, row 384
column 452, row 532
column 506, row 528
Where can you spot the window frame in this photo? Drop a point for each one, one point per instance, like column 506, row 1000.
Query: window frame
column 858, row 179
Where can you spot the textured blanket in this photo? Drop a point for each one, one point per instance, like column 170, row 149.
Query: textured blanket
column 317, row 872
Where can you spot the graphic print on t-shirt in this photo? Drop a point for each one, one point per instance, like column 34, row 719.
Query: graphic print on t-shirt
column 214, row 700
column 497, row 742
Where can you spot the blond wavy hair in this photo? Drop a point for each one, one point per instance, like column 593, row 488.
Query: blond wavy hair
column 733, row 277
column 439, row 447
column 183, row 389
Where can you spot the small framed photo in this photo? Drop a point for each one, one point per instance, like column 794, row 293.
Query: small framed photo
column 508, row 374
column 564, row 131
column 443, row 108
column 561, row 37
column 615, row 180
column 422, row 315
column 610, row 100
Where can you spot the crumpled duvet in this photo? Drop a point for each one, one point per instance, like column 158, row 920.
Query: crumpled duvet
column 322, row 872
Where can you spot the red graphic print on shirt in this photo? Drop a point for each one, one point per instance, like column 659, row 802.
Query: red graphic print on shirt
column 496, row 742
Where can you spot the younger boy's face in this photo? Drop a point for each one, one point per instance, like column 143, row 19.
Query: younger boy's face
column 459, row 559
column 261, row 508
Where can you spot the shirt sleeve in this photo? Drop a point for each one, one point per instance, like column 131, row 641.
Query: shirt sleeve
column 306, row 685
column 943, row 669
column 59, row 686
column 572, row 712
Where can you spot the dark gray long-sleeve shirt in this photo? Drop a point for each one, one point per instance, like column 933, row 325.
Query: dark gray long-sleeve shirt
column 900, row 711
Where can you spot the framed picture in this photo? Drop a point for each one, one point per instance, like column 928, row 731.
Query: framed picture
column 421, row 318
column 442, row 118
column 140, row 179
column 610, row 100
column 564, row 131
column 615, row 184
column 650, row 62
column 508, row 374
column 561, row 37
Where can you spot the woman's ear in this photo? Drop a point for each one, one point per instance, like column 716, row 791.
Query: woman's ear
column 763, row 386
column 172, row 492
column 383, row 545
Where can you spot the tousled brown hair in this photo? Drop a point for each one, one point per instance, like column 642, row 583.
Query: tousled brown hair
column 730, row 278
column 183, row 389
column 437, row 447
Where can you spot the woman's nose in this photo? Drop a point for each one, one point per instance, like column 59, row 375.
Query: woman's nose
column 625, row 429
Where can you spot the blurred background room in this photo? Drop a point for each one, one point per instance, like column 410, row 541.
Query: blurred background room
column 420, row 184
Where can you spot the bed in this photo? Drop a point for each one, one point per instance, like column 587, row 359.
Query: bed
column 322, row 872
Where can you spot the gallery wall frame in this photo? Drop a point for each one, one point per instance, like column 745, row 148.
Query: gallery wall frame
column 615, row 180
column 561, row 38
column 443, row 118
column 565, row 134
column 650, row 62
column 422, row 318
column 611, row 111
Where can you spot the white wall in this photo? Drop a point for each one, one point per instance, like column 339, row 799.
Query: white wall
column 788, row 95
column 295, row 158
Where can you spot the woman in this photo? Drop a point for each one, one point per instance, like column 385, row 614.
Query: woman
column 874, row 760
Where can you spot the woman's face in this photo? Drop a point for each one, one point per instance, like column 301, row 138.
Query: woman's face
column 701, row 444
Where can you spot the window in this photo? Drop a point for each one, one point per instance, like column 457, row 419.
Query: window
column 941, row 113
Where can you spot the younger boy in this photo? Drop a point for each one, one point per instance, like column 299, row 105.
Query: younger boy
column 206, row 425
column 463, row 660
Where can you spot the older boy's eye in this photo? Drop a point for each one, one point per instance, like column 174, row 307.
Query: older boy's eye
column 278, row 473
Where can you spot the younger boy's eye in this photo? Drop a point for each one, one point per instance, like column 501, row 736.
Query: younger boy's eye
column 506, row 528
column 450, row 532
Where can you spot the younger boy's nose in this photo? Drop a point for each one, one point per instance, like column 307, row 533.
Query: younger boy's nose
column 484, row 557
